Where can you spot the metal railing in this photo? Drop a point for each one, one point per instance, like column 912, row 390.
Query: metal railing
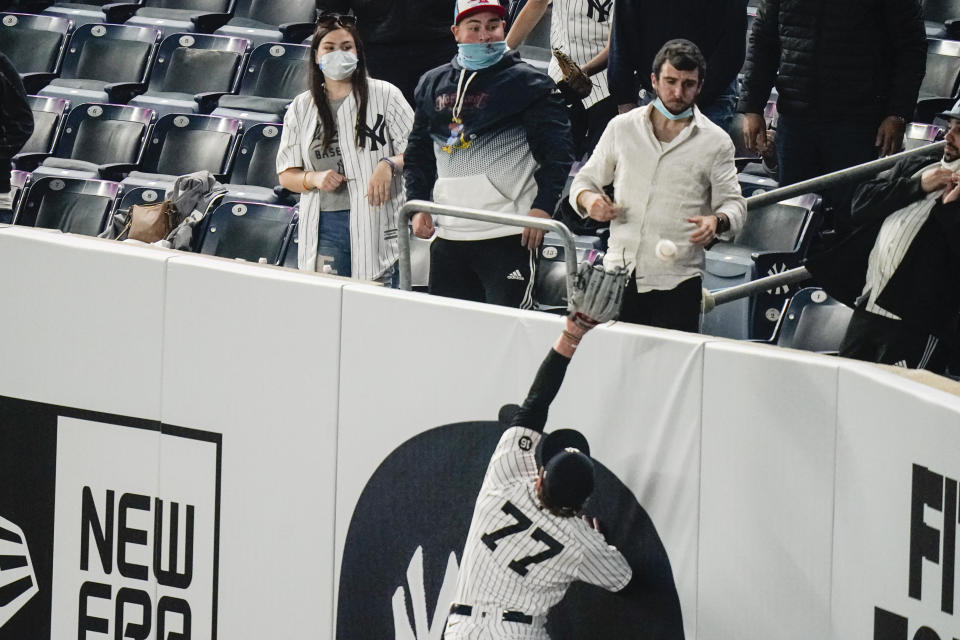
column 838, row 178
column 508, row 219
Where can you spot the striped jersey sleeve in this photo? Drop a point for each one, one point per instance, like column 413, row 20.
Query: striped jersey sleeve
column 514, row 459
column 289, row 154
column 603, row 565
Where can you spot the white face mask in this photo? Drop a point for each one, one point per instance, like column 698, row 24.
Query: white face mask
column 338, row 65
column 953, row 165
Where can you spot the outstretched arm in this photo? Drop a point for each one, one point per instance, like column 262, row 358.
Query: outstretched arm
column 533, row 411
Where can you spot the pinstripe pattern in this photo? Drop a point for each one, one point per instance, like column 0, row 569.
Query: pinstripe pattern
column 373, row 230
column 486, row 578
column 896, row 235
column 580, row 28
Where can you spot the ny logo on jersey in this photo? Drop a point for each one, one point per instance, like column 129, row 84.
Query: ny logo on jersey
column 374, row 134
column 602, row 7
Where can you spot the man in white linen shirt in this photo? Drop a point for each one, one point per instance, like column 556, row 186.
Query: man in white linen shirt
column 676, row 189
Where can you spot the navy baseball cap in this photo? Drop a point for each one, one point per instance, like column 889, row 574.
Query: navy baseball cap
column 568, row 470
column 464, row 8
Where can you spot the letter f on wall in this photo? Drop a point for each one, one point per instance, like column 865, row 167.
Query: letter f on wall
column 18, row 583
column 940, row 494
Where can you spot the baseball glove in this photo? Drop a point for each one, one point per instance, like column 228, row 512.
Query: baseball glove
column 573, row 76
column 596, row 294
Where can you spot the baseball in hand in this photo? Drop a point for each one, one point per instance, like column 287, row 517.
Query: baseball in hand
column 666, row 250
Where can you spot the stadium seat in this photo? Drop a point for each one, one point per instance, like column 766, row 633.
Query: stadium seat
column 938, row 18
column 81, row 12
column 141, row 196
column 262, row 21
column 68, row 204
column 550, row 286
column 98, row 135
column 274, row 75
column 18, row 180
column 170, row 16
column 752, row 185
column 918, row 134
column 105, row 63
column 939, row 88
column 35, row 46
column 181, row 144
column 773, row 239
column 813, row 321
column 48, row 117
column 290, row 255
column 248, row 231
column 254, row 174
column 192, row 72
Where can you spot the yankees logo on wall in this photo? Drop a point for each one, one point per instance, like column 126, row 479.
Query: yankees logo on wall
column 109, row 526
column 405, row 542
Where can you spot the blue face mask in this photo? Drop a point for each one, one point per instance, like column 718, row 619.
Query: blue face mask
column 480, row 55
column 658, row 104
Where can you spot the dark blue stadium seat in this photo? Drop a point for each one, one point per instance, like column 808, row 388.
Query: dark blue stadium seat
column 105, row 63
column 98, row 135
column 773, row 239
column 171, row 16
column 83, row 11
column 274, row 75
column 938, row 17
column 48, row 118
column 262, row 21
column 35, row 46
column 939, row 88
column 18, row 181
column 550, row 286
column 813, row 321
column 181, row 144
column 254, row 175
column 140, row 195
column 249, row 231
column 68, row 204
column 192, row 71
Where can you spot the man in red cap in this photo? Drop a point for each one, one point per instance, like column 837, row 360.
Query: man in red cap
column 490, row 132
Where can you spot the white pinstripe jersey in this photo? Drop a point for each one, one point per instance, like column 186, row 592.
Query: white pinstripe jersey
column 373, row 230
column 580, row 28
column 520, row 557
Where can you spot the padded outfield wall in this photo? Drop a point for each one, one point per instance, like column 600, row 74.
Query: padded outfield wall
column 251, row 452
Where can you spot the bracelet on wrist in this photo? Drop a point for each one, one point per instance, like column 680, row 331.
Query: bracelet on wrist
column 393, row 165
column 303, row 181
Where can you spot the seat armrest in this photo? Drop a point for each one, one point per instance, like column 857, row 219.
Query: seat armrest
column 296, row 32
column 221, row 178
column 116, row 171
column 36, row 80
column 285, row 196
column 210, row 22
column 119, row 12
column 207, row 101
column 122, row 92
column 29, row 161
column 928, row 108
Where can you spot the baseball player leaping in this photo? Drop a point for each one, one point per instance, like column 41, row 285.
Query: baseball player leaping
column 527, row 542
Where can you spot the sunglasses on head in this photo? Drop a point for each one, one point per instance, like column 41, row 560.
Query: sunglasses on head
column 336, row 19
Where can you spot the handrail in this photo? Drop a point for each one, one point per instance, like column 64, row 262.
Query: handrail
column 509, row 219
column 723, row 296
column 837, row 178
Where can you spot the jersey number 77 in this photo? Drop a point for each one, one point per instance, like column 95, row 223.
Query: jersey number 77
column 522, row 565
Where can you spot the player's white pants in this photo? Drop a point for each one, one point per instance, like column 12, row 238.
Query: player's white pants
column 466, row 628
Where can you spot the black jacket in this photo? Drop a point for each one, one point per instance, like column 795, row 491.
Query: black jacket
column 508, row 94
column 16, row 119
column 397, row 21
column 642, row 27
column 836, row 58
column 925, row 289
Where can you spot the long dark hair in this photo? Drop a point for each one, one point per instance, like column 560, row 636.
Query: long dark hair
column 359, row 80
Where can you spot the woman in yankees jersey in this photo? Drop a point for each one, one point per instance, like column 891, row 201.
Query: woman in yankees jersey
column 526, row 543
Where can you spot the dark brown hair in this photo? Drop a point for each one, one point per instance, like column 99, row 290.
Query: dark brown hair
column 361, row 90
column 683, row 55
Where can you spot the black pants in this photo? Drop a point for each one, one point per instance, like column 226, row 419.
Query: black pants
column 498, row 271
column 877, row 339
column 402, row 64
column 587, row 125
column 677, row 308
